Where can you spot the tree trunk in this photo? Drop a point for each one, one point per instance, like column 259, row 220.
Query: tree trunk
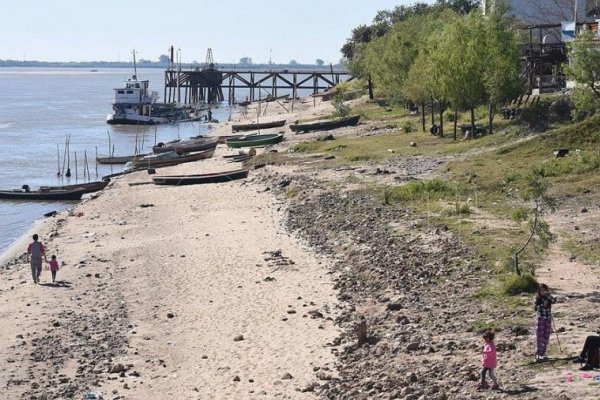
column 370, row 83
column 423, row 116
column 432, row 114
column 441, row 119
column 472, row 123
column 490, row 117
column 455, row 122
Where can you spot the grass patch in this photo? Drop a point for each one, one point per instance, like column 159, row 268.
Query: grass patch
column 517, row 284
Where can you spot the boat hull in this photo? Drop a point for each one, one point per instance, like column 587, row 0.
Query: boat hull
column 255, row 141
column 325, row 125
column 50, row 195
column 151, row 162
column 188, row 147
column 180, row 180
column 258, row 125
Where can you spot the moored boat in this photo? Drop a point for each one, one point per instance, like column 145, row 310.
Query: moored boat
column 187, row 145
column 196, row 179
column 170, row 158
column 117, row 159
column 324, row 125
column 42, row 194
column 257, row 125
column 88, row 187
column 135, row 104
column 255, row 140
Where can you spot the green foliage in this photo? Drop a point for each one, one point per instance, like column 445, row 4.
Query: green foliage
column 432, row 189
column 517, row 284
column 519, row 214
column 585, row 101
column 584, row 69
column 560, row 110
column 535, row 116
column 408, row 127
column 460, row 209
column 449, row 116
column 341, row 109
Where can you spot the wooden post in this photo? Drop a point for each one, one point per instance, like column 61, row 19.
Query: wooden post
column 361, row 332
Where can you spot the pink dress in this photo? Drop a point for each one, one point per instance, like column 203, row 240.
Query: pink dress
column 53, row 265
column 488, row 356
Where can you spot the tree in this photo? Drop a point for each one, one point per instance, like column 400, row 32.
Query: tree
column 500, row 77
column 462, row 7
column 536, row 191
column 585, row 70
column 293, row 62
column 459, row 62
column 164, row 59
column 246, row 60
column 319, row 62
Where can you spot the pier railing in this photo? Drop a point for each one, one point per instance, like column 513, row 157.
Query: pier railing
column 207, row 85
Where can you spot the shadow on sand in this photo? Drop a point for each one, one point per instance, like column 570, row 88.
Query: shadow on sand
column 57, row 284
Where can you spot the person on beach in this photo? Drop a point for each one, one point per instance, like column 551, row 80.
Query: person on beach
column 35, row 252
column 543, row 323
column 488, row 361
column 53, row 266
column 590, row 354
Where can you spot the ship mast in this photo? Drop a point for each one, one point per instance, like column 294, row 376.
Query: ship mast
column 134, row 66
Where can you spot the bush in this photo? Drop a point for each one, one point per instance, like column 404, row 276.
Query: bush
column 408, row 127
column 535, row 116
column 517, row 284
column 561, row 109
column 449, row 116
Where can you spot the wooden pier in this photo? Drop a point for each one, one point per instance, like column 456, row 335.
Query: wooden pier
column 206, row 85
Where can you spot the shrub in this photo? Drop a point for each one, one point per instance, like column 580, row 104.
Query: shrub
column 408, row 127
column 519, row 214
column 561, row 109
column 517, row 284
column 535, row 116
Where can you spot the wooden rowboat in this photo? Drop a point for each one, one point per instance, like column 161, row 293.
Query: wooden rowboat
column 171, row 158
column 179, row 180
column 255, row 140
column 118, row 159
column 88, row 187
column 324, row 125
column 187, row 146
column 52, row 195
column 257, row 125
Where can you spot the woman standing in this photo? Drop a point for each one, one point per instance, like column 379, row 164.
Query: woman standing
column 543, row 323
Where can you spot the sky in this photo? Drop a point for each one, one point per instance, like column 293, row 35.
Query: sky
column 108, row 30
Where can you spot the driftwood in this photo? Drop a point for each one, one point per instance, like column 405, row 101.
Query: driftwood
column 361, row 332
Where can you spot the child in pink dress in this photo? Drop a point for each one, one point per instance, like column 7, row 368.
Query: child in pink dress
column 488, row 360
column 53, row 267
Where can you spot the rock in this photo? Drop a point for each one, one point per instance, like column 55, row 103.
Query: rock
column 238, row 338
column 117, row 368
column 287, row 375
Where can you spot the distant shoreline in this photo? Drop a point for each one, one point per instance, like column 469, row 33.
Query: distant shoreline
column 149, row 64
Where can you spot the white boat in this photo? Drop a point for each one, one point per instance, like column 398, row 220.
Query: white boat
column 135, row 104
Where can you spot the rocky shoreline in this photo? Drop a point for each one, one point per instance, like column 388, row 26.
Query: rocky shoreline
column 414, row 285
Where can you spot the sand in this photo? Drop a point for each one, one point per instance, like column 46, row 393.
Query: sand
column 194, row 270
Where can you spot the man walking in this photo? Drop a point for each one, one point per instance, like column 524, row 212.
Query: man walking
column 35, row 251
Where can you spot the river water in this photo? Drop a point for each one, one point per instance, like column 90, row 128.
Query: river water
column 39, row 107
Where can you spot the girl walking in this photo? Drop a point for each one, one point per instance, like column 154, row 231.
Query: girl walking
column 488, row 361
column 543, row 322
column 53, row 265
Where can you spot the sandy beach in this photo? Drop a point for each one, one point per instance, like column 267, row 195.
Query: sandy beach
column 237, row 291
column 188, row 292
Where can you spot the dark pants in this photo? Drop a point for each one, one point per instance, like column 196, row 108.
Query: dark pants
column 492, row 375
column 591, row 342
column 53, row 275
